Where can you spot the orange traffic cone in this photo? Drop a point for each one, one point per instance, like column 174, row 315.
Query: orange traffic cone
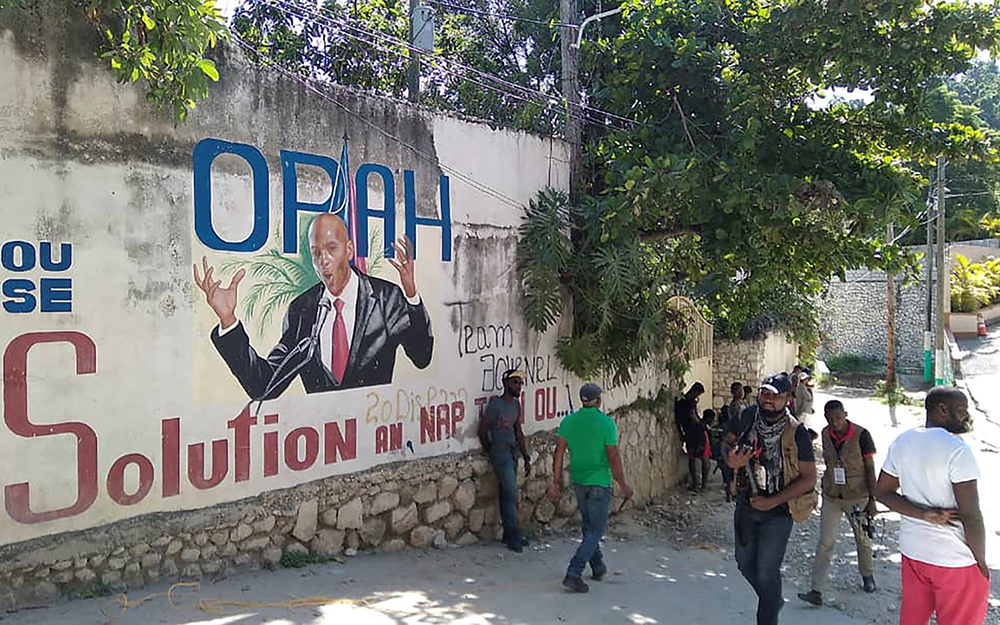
column 980, row 325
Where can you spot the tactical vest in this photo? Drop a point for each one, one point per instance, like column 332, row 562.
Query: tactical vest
column 802, row 506
column 853, row 462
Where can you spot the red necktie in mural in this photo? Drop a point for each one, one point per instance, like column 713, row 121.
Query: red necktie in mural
column 340, row 349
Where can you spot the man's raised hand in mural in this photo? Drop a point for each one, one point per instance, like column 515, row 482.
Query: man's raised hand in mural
column 354, row 322
column 222, row 300
column 405, row 266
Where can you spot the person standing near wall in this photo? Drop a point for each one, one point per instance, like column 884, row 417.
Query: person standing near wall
column 592, row 439
column 686, row 408
column 848, row 489
column 736, row 401
column 930, row 477
column 803, row 394
column 503, row 440
column 776, row 475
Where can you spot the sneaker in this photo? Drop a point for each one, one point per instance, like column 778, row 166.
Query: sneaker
column 515, row 546
column 575, row 584
column 869, row 584
column 812, row 598
column 598, row 573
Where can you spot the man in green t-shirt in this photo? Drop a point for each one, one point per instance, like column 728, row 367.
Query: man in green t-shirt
column 592, row 439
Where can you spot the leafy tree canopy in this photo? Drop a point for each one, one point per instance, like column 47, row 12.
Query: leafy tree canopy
column 734, row 186
column 162, row 44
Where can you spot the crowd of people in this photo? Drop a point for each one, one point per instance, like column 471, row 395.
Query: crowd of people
column 767, row 460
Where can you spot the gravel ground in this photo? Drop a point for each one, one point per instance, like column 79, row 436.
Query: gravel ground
column 704, row 521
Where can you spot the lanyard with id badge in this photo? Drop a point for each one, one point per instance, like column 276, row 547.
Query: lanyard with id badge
column 839, row 472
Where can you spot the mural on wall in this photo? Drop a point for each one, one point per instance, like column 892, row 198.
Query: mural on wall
column 341, row 332
column 372, row 357
column 351, row 347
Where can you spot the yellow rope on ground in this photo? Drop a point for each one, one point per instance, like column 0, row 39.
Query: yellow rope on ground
column 225, row 606
column 123, row 602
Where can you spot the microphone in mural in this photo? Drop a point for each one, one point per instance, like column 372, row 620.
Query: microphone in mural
column 342, row 332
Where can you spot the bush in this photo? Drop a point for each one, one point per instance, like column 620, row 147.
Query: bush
column 897, row 398
column 974, row 285
column 298, row 560
column 852, row 363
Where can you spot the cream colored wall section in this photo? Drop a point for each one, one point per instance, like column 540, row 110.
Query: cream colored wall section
column 122, row 405
column 779, row 354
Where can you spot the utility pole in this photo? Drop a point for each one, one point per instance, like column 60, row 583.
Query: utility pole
column 890, row 375
column 942, row 278
column 413, row 72
column 571, row 93
column 929, row 304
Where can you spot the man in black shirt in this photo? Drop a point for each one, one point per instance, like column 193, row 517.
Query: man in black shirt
column 503, row 441
column 776, row 476
column 686, row 408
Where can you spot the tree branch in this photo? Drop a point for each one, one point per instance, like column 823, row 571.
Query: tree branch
column 662, row 235
column 684, row 122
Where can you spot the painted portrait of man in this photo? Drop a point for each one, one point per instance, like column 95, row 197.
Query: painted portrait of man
column 341, row 333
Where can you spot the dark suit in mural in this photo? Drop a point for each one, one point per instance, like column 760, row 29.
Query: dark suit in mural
column 341, row 333
column 384, row 320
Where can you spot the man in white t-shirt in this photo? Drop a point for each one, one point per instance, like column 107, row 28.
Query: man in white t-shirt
column 930, row 478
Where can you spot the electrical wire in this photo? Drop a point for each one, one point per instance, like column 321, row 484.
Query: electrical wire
column 371, row 38
column 466, row 10
column 476, row 184
column 325, row 17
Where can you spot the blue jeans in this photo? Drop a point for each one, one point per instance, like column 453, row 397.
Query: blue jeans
column 761, row 539
column 504, row 461
column 594, row 503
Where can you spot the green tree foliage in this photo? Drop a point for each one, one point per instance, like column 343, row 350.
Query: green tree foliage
column 735, row 185
column 622, row 319
column 162, row 44
column 361, row 44
column 974, row 285
column 974, row 185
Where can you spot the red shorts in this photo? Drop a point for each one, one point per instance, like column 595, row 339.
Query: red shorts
column 959, row 596
column 694, row 454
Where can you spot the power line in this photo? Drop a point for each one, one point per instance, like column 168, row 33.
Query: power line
column 323, row 16
column 372, row 38
column 465, row 10
column 476, row 184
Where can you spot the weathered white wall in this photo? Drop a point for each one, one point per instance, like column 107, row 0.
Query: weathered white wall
column 86, row 162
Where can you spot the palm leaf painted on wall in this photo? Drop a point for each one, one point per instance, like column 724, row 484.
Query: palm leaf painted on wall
column 278, row 279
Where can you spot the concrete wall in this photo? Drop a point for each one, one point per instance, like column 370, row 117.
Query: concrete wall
column 130, row 453
column 853, row 318
column 749, row 362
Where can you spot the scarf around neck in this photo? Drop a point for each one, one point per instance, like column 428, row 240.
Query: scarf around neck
column 768, row 436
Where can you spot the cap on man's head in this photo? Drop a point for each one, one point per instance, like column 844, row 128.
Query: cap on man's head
column 514, row 373
column 590, row 392
column 777, row 383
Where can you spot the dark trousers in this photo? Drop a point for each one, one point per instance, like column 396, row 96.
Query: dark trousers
column 761, row 539
column 595, row 505
column 504, row 461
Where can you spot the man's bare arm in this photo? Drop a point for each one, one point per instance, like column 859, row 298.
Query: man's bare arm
column 870, row 482
column 887, row 492
column 521, row 441
column 484, row 434
column 967, row 496
column 618, row 470
column 557, row 467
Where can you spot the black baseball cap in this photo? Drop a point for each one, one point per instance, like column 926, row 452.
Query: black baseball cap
column 777, row 383
column 590, row 392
